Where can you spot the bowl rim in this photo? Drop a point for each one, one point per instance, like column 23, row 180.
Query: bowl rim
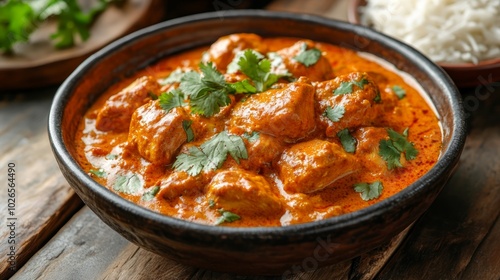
column 444, row 164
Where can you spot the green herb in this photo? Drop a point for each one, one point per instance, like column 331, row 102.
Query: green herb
column 308, row 57
column 129, row 184
column 211, row 154
column 259, row 70
column 211, row 203
column 347, row 140
column 391, row 150
column 152, row 95
column 252, row 137
column 399, row 91
column 174, row 77
column 377, row 98
column 111, row 157
column 335, row 113
column 233, row 66
column 243, row 87
column 226, row 217
column 206, row 93
column 346, row 87
column 19, row 18
column 278, row 66
column 186, row 125
column 98, row 172
column 151, row 193
column 171, row 100
column 369, row 191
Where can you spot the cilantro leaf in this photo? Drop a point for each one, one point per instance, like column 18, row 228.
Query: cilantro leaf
column 211, row 203
column 233, row 66
column 150, row 194
column 207, row 93
column 226, row 217
column 171, row 100
column 98, row 172
column 243, row 87
column 17, row 21
column 391, row 150
column 186, row 125
column 399, row 91
column 211, row 154
column 308, row 57
column 259, row 70
column 347, row 87
column 347, row 140
column 334, row 114
column 111, row 157
column 369, row 191
column 129, row 184
column 252, row 137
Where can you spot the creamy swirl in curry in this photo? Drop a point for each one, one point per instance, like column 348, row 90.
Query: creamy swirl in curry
column 255, row 131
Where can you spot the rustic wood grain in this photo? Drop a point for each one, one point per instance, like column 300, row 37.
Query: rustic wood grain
column 82, row 249
column 462, row 222
column 44, row 201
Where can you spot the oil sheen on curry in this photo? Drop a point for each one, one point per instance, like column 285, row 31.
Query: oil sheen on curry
column 254, row 131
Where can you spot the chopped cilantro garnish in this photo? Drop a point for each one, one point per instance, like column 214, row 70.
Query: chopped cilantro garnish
column 211, row 154
column 207, row 92
column 151, row 193
column 399, row 91
column 252, row 136
column 233, row 66
column 211, row 203
column 390, row 150
column 111, row 157
column 172, row 99
column 129, row 184
column 369, row 191
column 259, row 70
column 98, row 172
column 226, row 217
column 346, row 87
column 335, row 113
column 347, row 140
column 308, row 57
column 186, row 125
column 243, row 87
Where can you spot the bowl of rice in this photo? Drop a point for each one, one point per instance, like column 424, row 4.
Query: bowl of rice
column 462, row 36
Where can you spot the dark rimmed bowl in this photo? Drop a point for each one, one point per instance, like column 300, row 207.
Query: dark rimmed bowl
column 463, row 74
column 258, row 250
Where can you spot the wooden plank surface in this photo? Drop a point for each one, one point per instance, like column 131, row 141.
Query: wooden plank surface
column 44, row 201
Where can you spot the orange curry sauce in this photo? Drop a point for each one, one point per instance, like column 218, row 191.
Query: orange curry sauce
column 296, row 171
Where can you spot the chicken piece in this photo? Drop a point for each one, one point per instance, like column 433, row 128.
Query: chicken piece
column 116, row 113
column 359, row 103
column 244, row 193
column 262, row 149
column 287, row 112
column 313, row 165
column 156, row 134
column 367, row 148
column 222, row 52
column 320, row 71
column 180, row 184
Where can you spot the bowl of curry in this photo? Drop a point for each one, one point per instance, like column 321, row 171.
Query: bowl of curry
column 253, row 142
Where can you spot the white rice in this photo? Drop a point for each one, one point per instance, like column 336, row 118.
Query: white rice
column 444, row 30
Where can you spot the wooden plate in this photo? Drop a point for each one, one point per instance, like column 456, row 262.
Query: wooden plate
column 38, row 64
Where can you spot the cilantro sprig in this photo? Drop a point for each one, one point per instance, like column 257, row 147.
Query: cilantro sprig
column 226, row 217
column 150, row 194
column 172, row 99
column 369, row 191
column 347, row 87
column 308, row 57
column 334, row 113
column 20, row 18
column 347, row 140
column 390, row 150
column 129, row 184
column 211, row 154
column 258, row 69
column 399, row 91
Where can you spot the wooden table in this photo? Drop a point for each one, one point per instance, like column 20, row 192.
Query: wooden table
column 57, row 237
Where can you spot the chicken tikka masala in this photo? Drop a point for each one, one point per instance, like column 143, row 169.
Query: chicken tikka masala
column 254, row 131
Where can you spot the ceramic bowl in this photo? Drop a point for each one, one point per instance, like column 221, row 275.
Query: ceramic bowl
column 463, row 74
column 259, row 250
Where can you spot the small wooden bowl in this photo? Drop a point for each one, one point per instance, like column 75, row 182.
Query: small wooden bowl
column 463, row 74
column 258, row 250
